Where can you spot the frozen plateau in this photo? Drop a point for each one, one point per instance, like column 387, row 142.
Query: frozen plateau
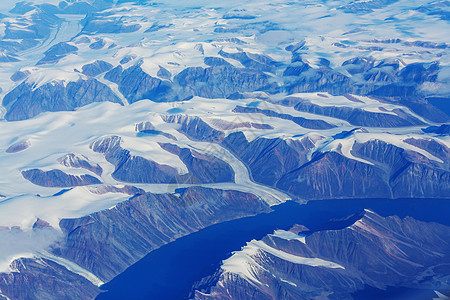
column 130, row 128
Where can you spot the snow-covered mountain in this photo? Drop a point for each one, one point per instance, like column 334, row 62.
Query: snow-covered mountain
column 334, row 264
column 147, row 121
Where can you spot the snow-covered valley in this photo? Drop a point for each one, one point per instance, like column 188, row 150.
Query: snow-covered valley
column 179, row 115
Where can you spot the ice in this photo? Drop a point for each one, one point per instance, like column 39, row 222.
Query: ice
column 243, row 264
column 345, row 147
column 396, row 141
column 313, row 262
column 18, row 244
column 366, row 104
column 53, row 135
column 289, row 235
column 188, row 27
column 440, row 296
column 71, row 266
column 188, row 36
column 152, row 151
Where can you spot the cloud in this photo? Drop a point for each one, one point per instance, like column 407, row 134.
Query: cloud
column 16, row 243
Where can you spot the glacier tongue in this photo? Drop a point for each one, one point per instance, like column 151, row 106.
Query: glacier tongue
column 110, row 104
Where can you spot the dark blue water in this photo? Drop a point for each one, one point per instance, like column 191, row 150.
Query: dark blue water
column 170, row 271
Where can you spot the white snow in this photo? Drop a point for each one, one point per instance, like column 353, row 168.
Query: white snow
column 185, row 42
column 53, row 135
column 313, row 262
column 344, row 147
column 17, row 244
column 243, row 263
column 1, row 294
column 71, row 266
column 289, row 235
column 396, row 141
column 366, row 104
column 440, row 296
column 288, row 282
column 80, row 201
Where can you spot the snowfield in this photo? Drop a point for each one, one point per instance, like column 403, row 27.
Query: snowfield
column 302, row 80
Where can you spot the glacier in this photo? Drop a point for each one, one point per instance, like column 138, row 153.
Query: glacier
column 225, row 109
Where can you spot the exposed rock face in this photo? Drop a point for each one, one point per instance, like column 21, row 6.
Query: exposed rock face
column 19, row 146
column 95, row 23
column 79, row 8
column 195, row 128
column 443, row 129
column 215, row 61
column 323, row 79
column 57, row 178
column 106, row 144
column 419, row 72
column 39, row 224
column 269, row 159
column 423, row 108
column 164, row 73
column 220, row 81
column 253, row 61
column 20, row 75
column 374, row 252
column 387, row 78
column 386, row 170
column 58, row 62
column 408, row 173
column 39, row 278
column 41, row 27
column 25, row 102
column 306, row 123
column 74, row 160
column 126, row 189
column 146, row 128
column 56, row 52
column 128, row 168
column 381, row 78
column 136, row 85
column 432, row 146
column 357, row 116
column 359, row 65
column 146, row 222
column 98, row 45
column 127, row 58
column 365, row 7
column 202, row 168
column 96, row 68
column 330, row 175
